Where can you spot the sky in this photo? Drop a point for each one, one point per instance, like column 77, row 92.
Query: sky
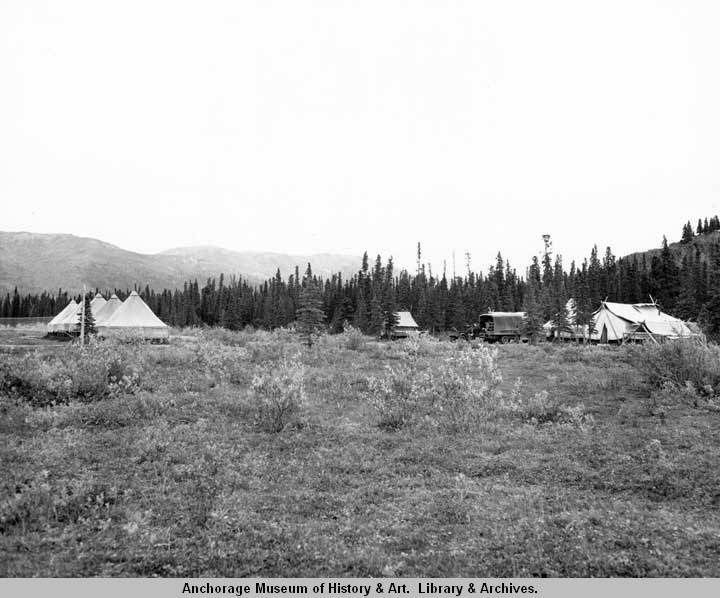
column 335, row 126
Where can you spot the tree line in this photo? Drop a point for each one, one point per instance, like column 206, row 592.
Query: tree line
column 687, row 287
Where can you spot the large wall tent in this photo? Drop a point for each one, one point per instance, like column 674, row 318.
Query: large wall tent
column 617, row 322
column 134, row 318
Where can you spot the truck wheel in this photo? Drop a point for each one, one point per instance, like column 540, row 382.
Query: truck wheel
column 504, row 340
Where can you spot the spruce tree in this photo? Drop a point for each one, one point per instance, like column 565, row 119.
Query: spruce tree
column 669, row 282
column 560, row 317
column 89, row 328
column 686, row 304
column 533, row 323
column 584, row 308
column 310, row 315
column 687, row 233
column 709, row 316
column 389, row 304
column 360, row 318
column 456, row 318
column 375, row 326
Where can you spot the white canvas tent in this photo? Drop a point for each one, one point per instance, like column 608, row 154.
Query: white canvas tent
column 134, row 318
column 70, row 322
column 616, row 322
column 96, row 304
column 107, row 310
column 55, row 324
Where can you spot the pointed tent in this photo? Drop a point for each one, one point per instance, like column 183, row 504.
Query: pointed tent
column 107, row 310
column 96, row 304
column 70, row 322
column 134, row 318
column 54, row 324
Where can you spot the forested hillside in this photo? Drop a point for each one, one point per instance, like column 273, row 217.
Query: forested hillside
column 683, row 278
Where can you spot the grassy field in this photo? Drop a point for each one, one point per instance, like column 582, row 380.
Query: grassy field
column 396, row 459
column 20, row 338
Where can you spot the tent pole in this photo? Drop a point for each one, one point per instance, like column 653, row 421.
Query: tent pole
column 82, row 319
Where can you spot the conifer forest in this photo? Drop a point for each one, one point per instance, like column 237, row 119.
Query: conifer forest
column 683, row 279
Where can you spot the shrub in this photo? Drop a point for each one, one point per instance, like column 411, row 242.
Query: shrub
column 223, row 363
column 540, row 408
column 577, row 417
column 671, row 395
column 464, row 389
column 41, row 500
column 279, row 395
column 422, row 345
column 656, row 474
column 396, row 397
column 536, row 408
column 353, row 338
column 87, row 373
column 679, row 363
column 456, row 395
column 270, row 346
column 226, row 337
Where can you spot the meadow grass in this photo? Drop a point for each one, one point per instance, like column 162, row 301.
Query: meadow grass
column 569, row 469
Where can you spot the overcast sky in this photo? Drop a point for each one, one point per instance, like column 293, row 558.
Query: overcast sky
column 335, row 126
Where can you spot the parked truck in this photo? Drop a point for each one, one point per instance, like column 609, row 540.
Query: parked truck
column 497, row 326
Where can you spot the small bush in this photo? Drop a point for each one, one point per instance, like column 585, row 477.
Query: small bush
column 224, row 363
column 353, row 338
column 464, row 389
column 41, row 500
column 535, row 408
column 279, row 395
column 679, row 363
column 396, row 397
column 577, row 417
column 267, row 346
column 454, row 395
column 540, row 408
column 422, row 345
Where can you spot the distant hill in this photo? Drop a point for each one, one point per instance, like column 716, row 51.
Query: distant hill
column 704, row 243
column 36, row 262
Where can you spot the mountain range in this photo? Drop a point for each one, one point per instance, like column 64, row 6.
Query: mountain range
column 35, row 262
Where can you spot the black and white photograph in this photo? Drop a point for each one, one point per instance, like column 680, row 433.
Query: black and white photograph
column 320, row 289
